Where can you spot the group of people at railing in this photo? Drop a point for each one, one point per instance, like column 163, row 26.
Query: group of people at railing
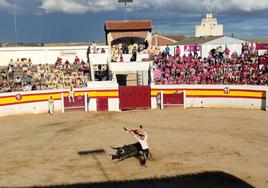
column 44, row 76
column 220, row 67
column 133, row 48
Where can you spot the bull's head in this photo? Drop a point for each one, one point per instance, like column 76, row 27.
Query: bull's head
column 119, row 153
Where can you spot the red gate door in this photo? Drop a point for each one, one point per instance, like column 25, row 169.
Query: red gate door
column 102, row 104
column 134, row 97
column 173, row 99
column 77, row 104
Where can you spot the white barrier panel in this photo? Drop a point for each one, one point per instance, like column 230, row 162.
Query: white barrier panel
column 92, row 106
column 127, row 57
column 153, row 102
column 130, row 66
column 113, row 104
column 29, row 108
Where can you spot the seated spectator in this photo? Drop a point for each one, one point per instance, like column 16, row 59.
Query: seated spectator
column 11, row 62
column 18, row 82
column 18, row 63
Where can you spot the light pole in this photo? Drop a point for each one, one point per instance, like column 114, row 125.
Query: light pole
column 125, row 2
column 15, row 25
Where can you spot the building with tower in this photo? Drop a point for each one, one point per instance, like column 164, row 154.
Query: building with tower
column 209, row 27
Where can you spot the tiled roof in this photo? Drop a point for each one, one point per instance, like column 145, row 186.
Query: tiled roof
column 257, row 40
column 175, row 37
column 158, row 40
column 117, row 35
column 128, row 25
column 196, row 40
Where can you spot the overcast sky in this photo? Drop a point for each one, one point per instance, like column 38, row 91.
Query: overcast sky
column 83, row 20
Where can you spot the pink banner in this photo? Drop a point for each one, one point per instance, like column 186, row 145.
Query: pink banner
column 262, row 46
column 191, row 47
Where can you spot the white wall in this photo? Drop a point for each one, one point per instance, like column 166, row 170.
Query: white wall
column 28, row 108
column 42, row 55
column 219, row 102
column 223, row 103
column 98, row 59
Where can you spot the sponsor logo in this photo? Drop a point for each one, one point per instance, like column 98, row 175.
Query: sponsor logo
column 226, row 90
column 18, row 97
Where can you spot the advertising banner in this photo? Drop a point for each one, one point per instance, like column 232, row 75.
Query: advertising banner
column 262, row 46
column 191, row 47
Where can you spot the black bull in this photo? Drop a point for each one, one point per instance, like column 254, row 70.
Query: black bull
column 127, row 151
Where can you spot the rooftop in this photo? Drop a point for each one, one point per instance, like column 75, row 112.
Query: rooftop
column 128, row 25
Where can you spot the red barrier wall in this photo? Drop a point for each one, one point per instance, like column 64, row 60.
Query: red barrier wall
column 133, row 97
column 173, row 99
column 102, row 104
column 78, row 104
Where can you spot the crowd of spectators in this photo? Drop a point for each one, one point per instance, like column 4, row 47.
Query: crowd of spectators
column 132, row 48
column 62, row 75
column 220, row 67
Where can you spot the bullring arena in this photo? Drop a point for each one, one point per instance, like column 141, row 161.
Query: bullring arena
column 205, row 112
column 191, row 148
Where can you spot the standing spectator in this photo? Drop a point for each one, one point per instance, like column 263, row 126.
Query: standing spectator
column 10, row 72
column 50, row 105
column 195, row 51
column 134, row 54
column 71, row 95
column 220, row 53
column 178, row 52
column 94, row 46
column 167, row 50
column 227, row 52
column 146, row 44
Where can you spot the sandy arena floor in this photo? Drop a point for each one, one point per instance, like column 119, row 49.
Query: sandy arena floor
column 42, row 150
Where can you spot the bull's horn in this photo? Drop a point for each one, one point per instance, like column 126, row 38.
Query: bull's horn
column 114, row 148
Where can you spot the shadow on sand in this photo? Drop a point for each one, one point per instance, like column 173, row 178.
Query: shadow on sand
column 215, row 179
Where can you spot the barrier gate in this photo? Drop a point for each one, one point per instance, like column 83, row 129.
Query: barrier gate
column 134, row 97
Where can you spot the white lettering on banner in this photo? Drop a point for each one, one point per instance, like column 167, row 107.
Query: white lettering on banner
column 191, row 48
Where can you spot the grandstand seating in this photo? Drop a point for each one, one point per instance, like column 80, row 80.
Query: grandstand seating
column 40, row 77
column 247, row 68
